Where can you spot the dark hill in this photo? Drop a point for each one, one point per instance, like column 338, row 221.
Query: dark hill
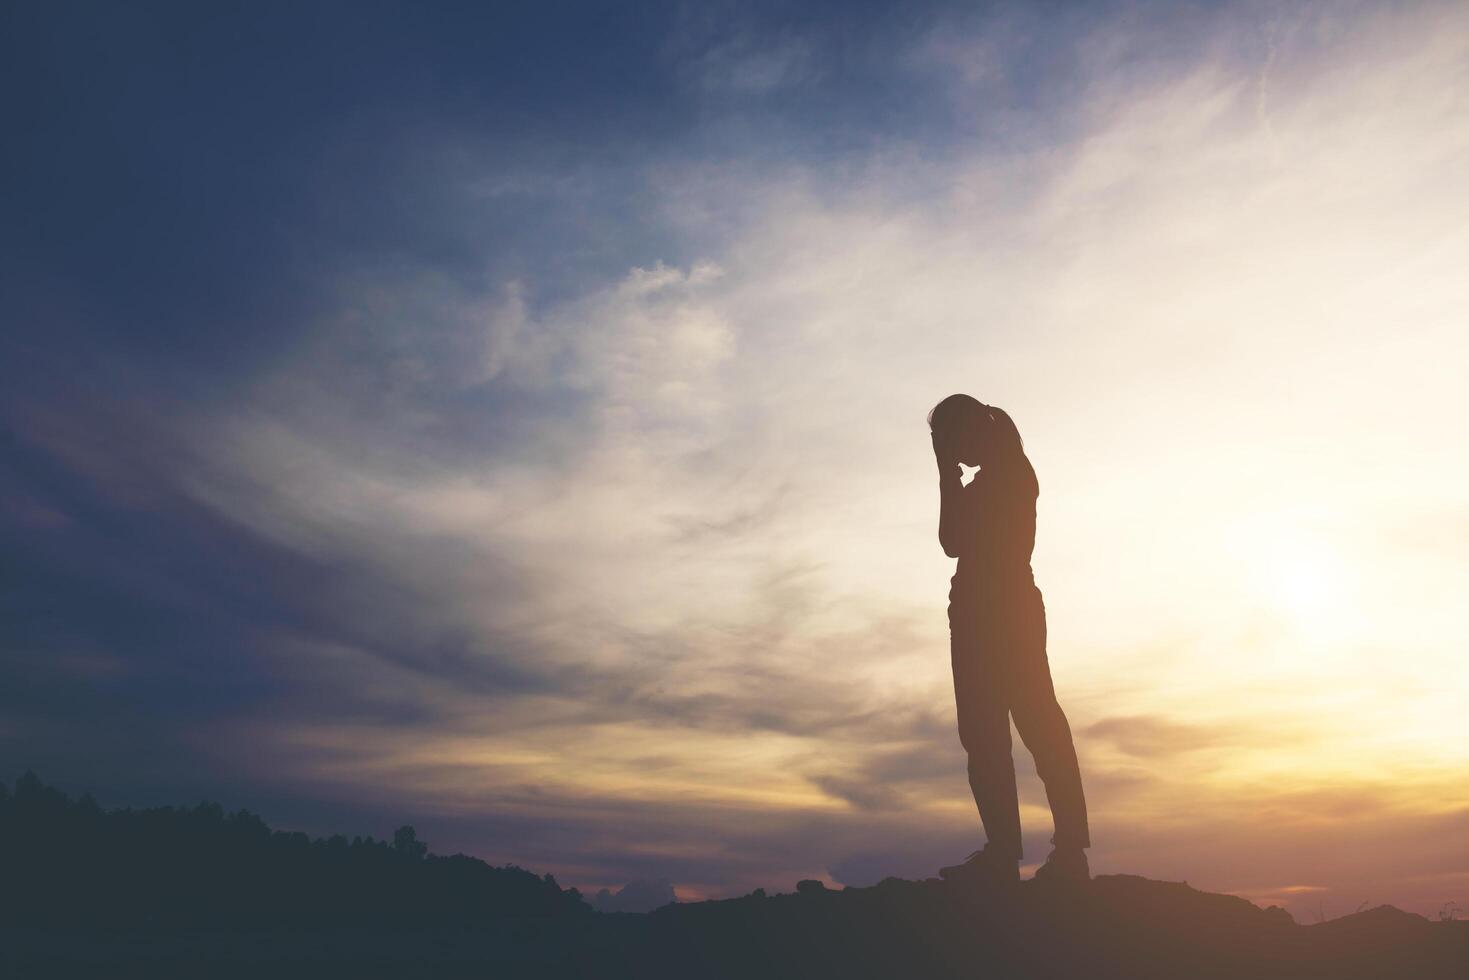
column 195, row 892
column 69, row 864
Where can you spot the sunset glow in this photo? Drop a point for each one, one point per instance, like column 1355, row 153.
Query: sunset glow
column 610, row 549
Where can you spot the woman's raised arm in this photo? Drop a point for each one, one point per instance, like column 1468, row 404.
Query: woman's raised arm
column 956, row 528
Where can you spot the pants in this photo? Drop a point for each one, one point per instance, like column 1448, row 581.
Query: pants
column 997, row 643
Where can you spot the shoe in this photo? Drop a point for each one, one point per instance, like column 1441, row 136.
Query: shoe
column 1065, row 865
column 984, row 865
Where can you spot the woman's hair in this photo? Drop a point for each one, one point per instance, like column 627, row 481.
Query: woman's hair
column 956, row 412
column 995, row 425
column 1003, row 432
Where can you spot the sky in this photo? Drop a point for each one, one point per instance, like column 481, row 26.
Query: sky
column 509, row 419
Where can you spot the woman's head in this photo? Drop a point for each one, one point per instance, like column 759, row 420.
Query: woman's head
column 977, row 434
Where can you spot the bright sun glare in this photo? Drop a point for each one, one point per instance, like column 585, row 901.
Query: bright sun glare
column 1305, row 584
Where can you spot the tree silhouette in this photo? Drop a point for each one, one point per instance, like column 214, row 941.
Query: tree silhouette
column 70, row 863
column 406, row 842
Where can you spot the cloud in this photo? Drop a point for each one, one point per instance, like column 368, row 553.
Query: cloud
column 1147, row 737
column 860, row 793
column 755, row 65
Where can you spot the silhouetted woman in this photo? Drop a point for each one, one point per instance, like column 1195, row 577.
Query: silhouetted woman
column 997, row 640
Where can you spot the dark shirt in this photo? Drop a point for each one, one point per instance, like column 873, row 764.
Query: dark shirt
column 996, row 524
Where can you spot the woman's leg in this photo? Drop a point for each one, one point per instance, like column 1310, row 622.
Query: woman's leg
column 984, row 731
column 1044, row 730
